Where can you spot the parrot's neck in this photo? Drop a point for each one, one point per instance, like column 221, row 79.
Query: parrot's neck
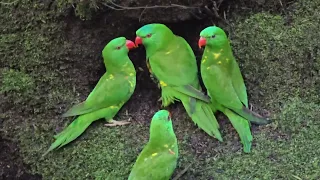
column 226, row 48
column 124, row 66
column 150, row 50
column 160, row 44
column 213, row 55
column 161, row 138
column 163, row 142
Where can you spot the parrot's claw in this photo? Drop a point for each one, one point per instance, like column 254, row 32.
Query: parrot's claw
column 251, row 107
column 112, row 123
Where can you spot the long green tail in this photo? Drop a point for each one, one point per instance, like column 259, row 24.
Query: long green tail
column 201, row 113
column 74, row 130
column 242, row 127
column 252, row 116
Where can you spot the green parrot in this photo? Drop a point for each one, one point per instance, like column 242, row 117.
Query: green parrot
column 222, row 77
column 173, row 63
column 158, row 159
column 114, row 89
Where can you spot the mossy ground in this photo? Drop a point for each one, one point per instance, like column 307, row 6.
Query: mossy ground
column 51, row 61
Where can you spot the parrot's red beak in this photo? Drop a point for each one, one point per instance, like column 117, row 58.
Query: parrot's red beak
column 202, row 42
column 130, row 44
column 138, row 41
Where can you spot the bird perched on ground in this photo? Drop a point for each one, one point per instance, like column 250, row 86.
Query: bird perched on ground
column 173, row 63
column 158, row 159
column 113, row 90
column 222, row 78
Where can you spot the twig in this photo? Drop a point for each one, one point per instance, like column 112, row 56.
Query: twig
column 118, row 7
column 208, row 11
column 107, row 5
column 182, row 172
column 4, row 3
column 219, row 3
column 141, row 14
column 296, row 177
column 281, row 3
column 213, row 12
column 215, row 9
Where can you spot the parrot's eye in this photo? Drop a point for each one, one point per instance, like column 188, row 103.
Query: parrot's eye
column 213, row 36
column 119, row 47
column 148, row 35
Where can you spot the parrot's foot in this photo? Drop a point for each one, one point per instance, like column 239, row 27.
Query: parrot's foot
column 250, row 107
column 112, row 123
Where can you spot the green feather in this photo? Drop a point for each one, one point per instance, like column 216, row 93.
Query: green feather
column 114, row 88
column 242, row 127
column 238, row 83
column 158, row 159
column 201, row 114
column 222, row 77
column 173, row 63
column 193, row 92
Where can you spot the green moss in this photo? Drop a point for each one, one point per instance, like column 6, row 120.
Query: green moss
column 16, row 81
column 31, row 51
column 100, row 153
column 279, row 58
column 292, row 151
column 82, row 9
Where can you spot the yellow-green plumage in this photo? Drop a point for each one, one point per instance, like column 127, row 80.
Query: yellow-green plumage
column 114, row 89
column 173, row 63
column 159, row 157
column 222, row 77
column 241, row 125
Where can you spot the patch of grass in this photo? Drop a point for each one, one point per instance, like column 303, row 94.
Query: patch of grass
column 269, row 5
column 38, row 60
column 82, row 9
column 100, row 153
column 293, row 151
column 280, row 55
column 16, row 81
column 32, row 71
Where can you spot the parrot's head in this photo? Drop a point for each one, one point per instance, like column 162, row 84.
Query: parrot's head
column 161, row 127
column 212, row 36
column 117, row 48
column 153, row 36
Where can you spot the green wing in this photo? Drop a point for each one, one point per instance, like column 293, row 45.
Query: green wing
column 238, row 83
column 242, row 126
column 193, row 92
column 150, row 166
column 110, row 90
column 221, row 88
column 176, row 66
